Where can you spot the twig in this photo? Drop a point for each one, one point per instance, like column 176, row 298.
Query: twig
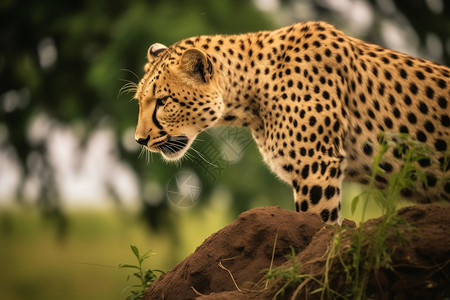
column 231, row 275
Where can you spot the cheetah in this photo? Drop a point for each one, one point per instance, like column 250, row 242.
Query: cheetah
column 314, row 99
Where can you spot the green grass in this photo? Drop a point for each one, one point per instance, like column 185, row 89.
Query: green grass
column 369, row 250
column 36, row 265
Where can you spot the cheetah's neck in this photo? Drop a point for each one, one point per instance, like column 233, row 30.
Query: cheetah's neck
column 241, row 76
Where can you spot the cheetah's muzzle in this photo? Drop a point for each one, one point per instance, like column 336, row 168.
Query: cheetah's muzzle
column 174, row 144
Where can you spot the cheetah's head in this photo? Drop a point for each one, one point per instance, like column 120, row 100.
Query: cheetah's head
column 178, row 98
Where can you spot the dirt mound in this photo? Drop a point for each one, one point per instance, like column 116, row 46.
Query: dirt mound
column 230, row 262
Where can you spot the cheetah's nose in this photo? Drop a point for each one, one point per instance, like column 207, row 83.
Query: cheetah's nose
column 143, row 141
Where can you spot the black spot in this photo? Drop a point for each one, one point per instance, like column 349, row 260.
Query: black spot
column 303, row 151
column 423, row 108
column 333, row 172
column 391, row 99
column 398, row 153
column 447, row 187
column 314, row 167
column 336, row 126
column 442, row 102
column 445, row 121
column 407, row 100
column 424, row 162
column 388, row 75
column 398, row 88
column 319, row 108
column 325, row 215
column 421, row 137
column 442, row 84
column 304, row 206
column 229, row 117
column 429, row 126
column 334, row 215
column 305, row 190
column 315, row 194
column 380, row 178
column 440, row 145
column 292, row 153
column 368, row 150
column 330, row 191
column 388, row 122
column 386, row 166
column 406, row 192
column 429, row 92
column 403, row 73
column 404, row 129
column 290, row 83
column 305, row 171
column 413, row 88
column 297, row 207
column 295, row 185
column 412, row 118
column 431, row 180
column 420, row 75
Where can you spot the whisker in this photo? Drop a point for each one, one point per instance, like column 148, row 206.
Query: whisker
column 203, row 158
column 129, row 71
column 203, row 130
column 128, row 87
column 141, row 153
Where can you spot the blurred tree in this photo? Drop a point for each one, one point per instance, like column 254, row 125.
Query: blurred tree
column 429, row 21
column 65, row 61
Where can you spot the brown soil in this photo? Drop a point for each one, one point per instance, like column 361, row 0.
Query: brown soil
column 232, row 263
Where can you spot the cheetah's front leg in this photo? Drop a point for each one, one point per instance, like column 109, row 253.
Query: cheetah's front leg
column 318, row 188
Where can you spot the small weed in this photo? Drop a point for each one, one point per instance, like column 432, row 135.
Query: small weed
column 292, row 274
column 145, row 277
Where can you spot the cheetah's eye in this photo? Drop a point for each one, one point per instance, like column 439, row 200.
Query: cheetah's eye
column 161, row 101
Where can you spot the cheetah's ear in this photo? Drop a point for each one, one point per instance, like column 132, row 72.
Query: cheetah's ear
column 197, row 64
column 155, row 50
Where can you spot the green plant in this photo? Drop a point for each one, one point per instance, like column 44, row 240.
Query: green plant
column 362, row 252
column 145, row 277
column 291, row 275
column 369, row 251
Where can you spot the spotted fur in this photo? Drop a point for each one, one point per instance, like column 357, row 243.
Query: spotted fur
column 314, row 98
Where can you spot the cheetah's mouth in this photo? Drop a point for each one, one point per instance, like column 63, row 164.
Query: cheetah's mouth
column 174, row 146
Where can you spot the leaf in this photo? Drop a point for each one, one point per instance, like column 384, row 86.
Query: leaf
column 316, row 291
column 355, row 203
column 128, row 267
column 135, row 251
